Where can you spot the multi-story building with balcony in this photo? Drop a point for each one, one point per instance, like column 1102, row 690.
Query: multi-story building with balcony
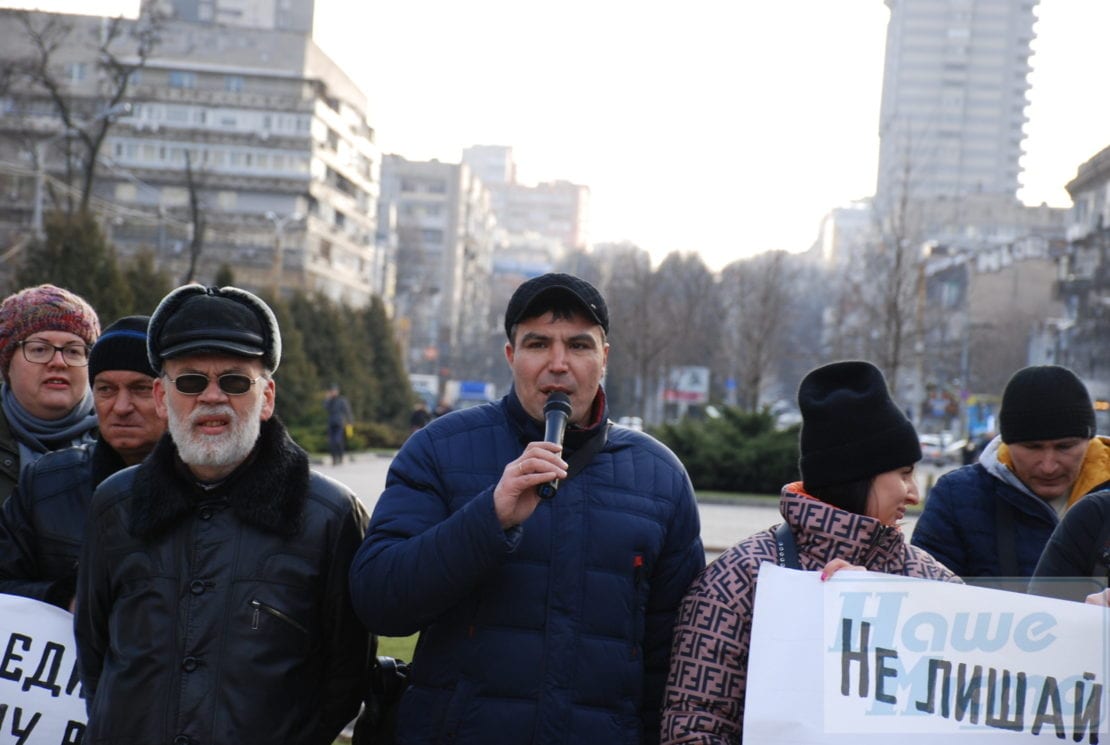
column 276, row 15
column 444, row 239
column 258, row 127
column 953, row 98
column 1080, row 337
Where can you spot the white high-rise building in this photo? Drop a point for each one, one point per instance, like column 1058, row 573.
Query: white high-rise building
column 275, row 15
column 954, row 98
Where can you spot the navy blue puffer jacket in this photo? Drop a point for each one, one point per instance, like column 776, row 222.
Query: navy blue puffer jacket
column 556, row 631
column 961, row 520
column 959, row 523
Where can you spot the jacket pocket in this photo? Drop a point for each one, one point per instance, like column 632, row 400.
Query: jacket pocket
column 259, row 610
column 457, row 708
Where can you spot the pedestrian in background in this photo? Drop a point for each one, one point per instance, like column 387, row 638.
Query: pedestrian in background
column 541, row 620
column 858, row 452
column 990, row 521
column 443, row 406
column 340, row 420
column 212, row 602
column 420, row 415
column 42, row 525
column 45, row 336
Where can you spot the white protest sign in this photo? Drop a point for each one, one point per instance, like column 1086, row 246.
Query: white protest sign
column 867, row 656
column 40, row 694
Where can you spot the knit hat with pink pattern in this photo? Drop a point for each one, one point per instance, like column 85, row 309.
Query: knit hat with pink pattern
column 43, row 308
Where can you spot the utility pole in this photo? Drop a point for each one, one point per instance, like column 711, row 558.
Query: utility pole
column 280, row 221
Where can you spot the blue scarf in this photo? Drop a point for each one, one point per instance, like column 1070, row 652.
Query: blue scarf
column 39, row 436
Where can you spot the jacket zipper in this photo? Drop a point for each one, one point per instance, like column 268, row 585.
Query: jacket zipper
column 259, row 606
column 876, row 540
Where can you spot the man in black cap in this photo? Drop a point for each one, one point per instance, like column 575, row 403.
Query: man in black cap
column 211, row 599
column 993, row 518
column 42, row 526
column 540, row 620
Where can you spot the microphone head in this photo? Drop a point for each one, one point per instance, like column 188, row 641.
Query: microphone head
column 557, row 401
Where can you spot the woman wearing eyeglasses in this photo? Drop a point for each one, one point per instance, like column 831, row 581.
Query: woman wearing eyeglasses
column 45, row 336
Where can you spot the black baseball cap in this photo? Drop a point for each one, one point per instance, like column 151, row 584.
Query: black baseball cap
column 536, row 296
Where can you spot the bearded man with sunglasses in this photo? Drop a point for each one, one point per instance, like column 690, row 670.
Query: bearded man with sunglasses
column 211, row 598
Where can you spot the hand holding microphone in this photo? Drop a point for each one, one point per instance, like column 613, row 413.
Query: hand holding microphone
column 535, row 475
column 556, row 412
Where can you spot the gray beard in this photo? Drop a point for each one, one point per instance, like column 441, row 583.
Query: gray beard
column 216, row 451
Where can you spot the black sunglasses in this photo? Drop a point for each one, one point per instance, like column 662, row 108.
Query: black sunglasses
column 194, row 384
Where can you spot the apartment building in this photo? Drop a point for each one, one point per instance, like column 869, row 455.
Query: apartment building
column 443, row 257
column 953, row 98
column 257, row 126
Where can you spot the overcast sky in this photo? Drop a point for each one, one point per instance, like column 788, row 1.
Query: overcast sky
column 723, row 127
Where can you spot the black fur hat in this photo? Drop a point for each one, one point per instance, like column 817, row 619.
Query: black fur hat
column 851, row 428
column 226, row 320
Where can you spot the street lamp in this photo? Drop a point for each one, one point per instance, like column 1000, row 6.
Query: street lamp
column 40, row 158
column 280, row 221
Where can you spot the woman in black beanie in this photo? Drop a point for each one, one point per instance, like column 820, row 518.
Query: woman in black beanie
column 858, row 452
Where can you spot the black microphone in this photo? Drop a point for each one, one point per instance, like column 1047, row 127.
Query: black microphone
column 555, row 413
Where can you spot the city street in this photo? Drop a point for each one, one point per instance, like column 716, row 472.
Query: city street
column 721, row 525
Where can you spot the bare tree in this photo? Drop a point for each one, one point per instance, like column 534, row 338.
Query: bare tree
column 877, row 314
column 121, row 47
column 196, row 219
column 755, row 315
column 641, row 333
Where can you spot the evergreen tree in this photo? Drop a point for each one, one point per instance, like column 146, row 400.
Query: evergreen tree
column 298, row 386
column 148, row 284
column 75, row 255
column 395, row 398
column 359, row 383
column 331, row 343
column 225, row 276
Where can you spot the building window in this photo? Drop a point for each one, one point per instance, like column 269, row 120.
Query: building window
column 180, row 79
column 76, row 71
column 233, row 83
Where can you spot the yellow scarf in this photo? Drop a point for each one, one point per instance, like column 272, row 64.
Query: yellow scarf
column 1095, row 469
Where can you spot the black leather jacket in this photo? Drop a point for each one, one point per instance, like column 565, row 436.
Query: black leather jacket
column 220, row 615
column 42, row 525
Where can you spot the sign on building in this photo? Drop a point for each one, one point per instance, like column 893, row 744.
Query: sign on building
column 688, row 385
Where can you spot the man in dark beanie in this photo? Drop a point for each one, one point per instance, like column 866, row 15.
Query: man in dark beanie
column 42, row 526
column 858, row 452
column 992, row 519
column 212, row 604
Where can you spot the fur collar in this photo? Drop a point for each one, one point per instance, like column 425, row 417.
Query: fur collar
column 267, row 491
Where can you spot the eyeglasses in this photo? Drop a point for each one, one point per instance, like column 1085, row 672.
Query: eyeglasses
column 41, row 352
column 194, row 384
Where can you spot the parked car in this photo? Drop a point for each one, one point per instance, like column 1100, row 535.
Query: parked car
column 632, row 422
column 942, row 449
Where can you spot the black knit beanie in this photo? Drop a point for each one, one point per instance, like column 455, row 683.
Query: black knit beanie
column 1045, row 402
column 122, row 346
column 851, row 429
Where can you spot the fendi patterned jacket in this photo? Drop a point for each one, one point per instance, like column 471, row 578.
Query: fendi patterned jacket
column 704, row 699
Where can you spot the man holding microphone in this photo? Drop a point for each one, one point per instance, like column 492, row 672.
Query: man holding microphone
column 540, row 620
